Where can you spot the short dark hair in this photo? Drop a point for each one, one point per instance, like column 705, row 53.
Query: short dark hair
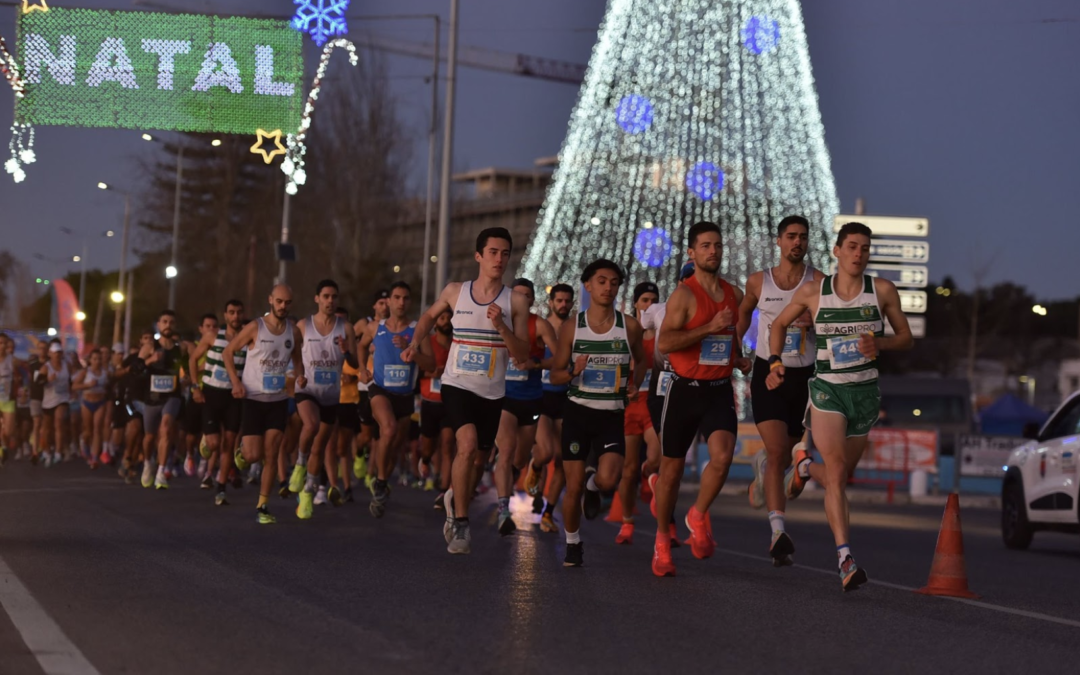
column 492, row 233
column 852, row 228
column 208, row 315
column 561, row 288
column 522, row 281
column 792, row 220
column 601, row 264
column 400, row 284
column 166, row 312
column 233, row 303
column 698, row 229
column 324, row 283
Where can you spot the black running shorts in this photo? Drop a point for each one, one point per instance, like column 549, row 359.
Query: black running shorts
column 463, row 408
column 221, row 412
column 527, row 412
column 692, row 407
column 349, row 417
column 403, row 405
column 328, row 414
column 786, row 403
column 551, row 406
column 432, row 418
column 588, row 430
column 262, row 416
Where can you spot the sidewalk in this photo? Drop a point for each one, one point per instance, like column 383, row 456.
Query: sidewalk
column 862, row 495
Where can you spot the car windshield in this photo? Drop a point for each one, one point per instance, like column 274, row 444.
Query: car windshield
column 924, row 409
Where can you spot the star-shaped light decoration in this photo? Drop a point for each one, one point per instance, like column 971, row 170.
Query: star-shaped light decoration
column 262, row 136
column 34, row 6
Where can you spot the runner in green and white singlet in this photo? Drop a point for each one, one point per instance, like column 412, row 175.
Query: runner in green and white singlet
column 848, row 310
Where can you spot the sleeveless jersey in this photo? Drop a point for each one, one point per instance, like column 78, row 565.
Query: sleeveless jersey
column 58, row 391
column 431, row 387
column 215, row 374
column 350, row 393
column 799, row 342
column 527, row 385
column 7, row 378
column 268, row 360
column 164, row 375
column 710, row 359
column 391, row 373
column 839, row 324
column 478, row 355
column 97, row 382
column 322, row 362
column 602, row 385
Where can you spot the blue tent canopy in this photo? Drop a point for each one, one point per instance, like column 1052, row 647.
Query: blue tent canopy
column 1008, row 416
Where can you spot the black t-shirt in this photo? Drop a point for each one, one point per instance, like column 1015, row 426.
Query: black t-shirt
column 131, row 386
column 167, row 366
column 37, row 380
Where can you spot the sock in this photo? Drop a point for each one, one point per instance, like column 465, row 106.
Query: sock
column 263, row 499
column 220, row 486
column 573, row 537
column 776, row 520
column 804, row 468
column 461, row 521
column 309, row 482
column 161, row 472
column 842, row 552
column 504, row 504
column 549, row 509
column 301, row 459
column 591, row 483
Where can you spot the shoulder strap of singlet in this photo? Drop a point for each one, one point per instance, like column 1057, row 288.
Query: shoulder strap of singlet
column 581, row 323
column 868, row 283
column 826, row 286
column 618, row 319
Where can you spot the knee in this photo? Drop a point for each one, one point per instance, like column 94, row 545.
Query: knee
column 836, row 476
column 387, row 429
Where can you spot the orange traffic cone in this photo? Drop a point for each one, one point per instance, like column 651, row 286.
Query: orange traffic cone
column 948, row 573
column 615, row 515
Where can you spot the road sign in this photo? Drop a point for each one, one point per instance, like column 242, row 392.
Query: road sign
column 899, row 251
column 913, row 302
column 887, row 226
column 910, row 276
column 916, row 322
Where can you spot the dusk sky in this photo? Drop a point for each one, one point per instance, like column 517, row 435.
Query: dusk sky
column 963, row 111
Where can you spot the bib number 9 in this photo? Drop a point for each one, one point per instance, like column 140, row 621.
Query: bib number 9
column 273, row 384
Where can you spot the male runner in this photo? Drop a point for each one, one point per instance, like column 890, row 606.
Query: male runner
column 521, row 408
column 475, row 379
column 698, row 336
column 435, row 434
column 844, row 397
column 779, row 412
column 341, row 446
column 368, row 428
column 593, row 356
column 37, row 359
column 271, row 342
column 221, row 411
column 160, row 406
column 328, row 342
column 392, row 382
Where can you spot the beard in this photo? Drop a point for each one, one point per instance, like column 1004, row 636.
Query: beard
column 563, row 314
column 448, row 329
column 705, row 268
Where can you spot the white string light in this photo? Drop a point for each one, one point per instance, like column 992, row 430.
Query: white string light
column 691, row 110
column 10, row 70
column 112, row 64
column 38, row 53
column 22, row 151
column 166, row 51
column 210, row 75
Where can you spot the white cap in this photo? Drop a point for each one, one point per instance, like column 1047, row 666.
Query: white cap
column 118, row 348
column 55, row 347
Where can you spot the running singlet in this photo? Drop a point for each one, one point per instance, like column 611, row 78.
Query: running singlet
column 349, row 392
column 602, row 385
column 7, row 378
column 799, row 342
column 391, row 373
column 478, row 355
column 431, row 387
column 526, row 385
column 660, row 375
column 58, row 391
column 363, row 386
column 267, row 361
column 97, row 382
column 710, row 359
column 839, row 325
column 215, row 375
column 164, row 375
column 322, row 363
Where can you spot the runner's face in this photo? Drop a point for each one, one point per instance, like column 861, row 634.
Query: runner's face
column 443, row 324
column 382, row 309
column 707, row 252
column 400, row 299
column 853, row 254
column 209, row 327
column 603, row 288
column 146, row 339
column 527, row 292
column 280, row 302
column 234, row 316
column 95, row 359
column 327, row 300
column 495, row 258
column 793, row 243
column 561, row 305
column 646, row 301
column 166, row 326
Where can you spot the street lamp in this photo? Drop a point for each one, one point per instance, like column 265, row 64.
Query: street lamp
column 170, row 273
column 117, row 297
column 80, row 315
column 123, row 256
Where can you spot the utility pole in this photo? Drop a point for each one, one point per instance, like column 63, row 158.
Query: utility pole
column 425, row 264
column 448, row 151
column 123, row 267
column 173, row 272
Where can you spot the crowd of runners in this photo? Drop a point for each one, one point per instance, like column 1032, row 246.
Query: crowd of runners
column 483, row 393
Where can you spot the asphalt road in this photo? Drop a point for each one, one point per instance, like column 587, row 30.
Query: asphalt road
column 149, row 582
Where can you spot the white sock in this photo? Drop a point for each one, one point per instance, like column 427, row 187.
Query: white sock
column 591, row 483
column 804, row 468
column 842, row 552
column 161, row 472
column 573, row 537
column 776, row 520
column 310, row 482
column 301, row 459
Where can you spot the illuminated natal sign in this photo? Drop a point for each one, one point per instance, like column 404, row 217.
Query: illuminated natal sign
column 141, row 70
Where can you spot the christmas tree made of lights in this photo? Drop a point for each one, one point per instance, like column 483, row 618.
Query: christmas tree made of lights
column 691, row 110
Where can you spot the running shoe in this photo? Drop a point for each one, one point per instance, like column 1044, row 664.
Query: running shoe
column 93, row 464
column 423, row 469
column 348, row 495
column 851, row 575
column 575, row 555
column 320, row 496
column 651, row 482
column 283, row 490
column 592, row 502
column 626, row 534
column 239, row 461
column 334, row 496
column 781, row 550
column 439, row 506
column 369, row 480
column 3, row 454
column 204, row 451
column 794, row 483
column 461, row 539
column 673, row 533
column 207, row 483
column 237, row 480
column 756, row 491
column 701, row 540
column 296, row 480
column 646, row 485
column 532, row 480
column 429, row 484
column 507, row 526
column 189, row 466
column 264, row 517
column 161, row 483
column 106, row 457
column 380, row 494
column 305, row 506
column 661, row 562
column 547, row 523
column 359, row 466
column 254, row 474
column 220, row 499
column 448, row 507
column 147, row 474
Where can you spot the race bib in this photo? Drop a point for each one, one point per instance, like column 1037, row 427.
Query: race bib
column 715, row 350
column 794, row 342
column 645, row 383
column 160, row 384
column 513, row 374
column 221, row 375
column 600, row 379
column 397, row 376
column 545, row 377
column 663, row 383
column 273, row 384
column 436, row 385
column 325, row 377
column 844, row 353
column 474, row 361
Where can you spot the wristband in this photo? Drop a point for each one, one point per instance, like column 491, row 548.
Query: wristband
column 775, row 362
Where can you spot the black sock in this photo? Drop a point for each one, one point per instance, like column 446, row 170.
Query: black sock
column 549, row 509
column 462, row 521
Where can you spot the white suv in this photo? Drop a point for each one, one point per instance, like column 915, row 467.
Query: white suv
column 1040, row 487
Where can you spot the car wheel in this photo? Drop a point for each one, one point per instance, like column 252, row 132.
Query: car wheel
column 1016, row 531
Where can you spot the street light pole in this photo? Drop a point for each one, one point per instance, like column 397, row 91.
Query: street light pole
column 425, row 264
column 123, row 266
column 176, row 227
column 82, row 277
column 448, row 150
column 284, row 237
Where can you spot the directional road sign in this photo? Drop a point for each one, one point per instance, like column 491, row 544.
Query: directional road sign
column 909, row 276
column 887, row 226
column 917, row 323
column 899, row 251
column 913, row 302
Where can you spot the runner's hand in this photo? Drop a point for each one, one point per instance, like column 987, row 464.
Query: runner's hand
column 725, row 318
column 407, row 353
column 775, row 378
column 238, row 391
column 868, row 346
column 197, row 395
column 580, row 364
column 743, row 364
column 631, row 389
column 495, row 313
column 364, row 375
column 301, row 382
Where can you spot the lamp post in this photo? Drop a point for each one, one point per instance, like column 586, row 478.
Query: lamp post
column 448, row 150
column 118, row 295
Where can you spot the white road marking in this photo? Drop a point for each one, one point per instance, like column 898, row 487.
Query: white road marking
column 56, row 654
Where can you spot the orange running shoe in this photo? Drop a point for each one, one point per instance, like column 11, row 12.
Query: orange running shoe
column 701, row 541
column 626, row 534
column 794, row 482
column 651, row 482
column 674, row 534
column 661, row 562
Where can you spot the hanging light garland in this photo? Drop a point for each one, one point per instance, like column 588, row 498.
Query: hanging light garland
column 22, row 151
column 10, row 70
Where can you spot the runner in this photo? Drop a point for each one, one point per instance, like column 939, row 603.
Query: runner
column 435, row 434
column 638, row 426
column 160, row 404
column 844, row 395
column 269, row 343
column 698, row 335
column 194, row 403
column 92, row 383
column 521, row 408
column 343, row 445
column 779, row 413
column 9, row 382
column 593, row 355
column 328, row 342
column 221, row 412
column 129, row 388
column 474, row 383
column 369, row 430
column 549, row 429
column 54, row 404
column 391, row 385
column 38, row 357
column 23, row 420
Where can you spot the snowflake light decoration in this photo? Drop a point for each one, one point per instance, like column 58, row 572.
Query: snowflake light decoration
column 322, row 19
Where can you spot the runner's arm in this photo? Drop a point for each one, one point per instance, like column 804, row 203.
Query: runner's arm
column 350, row 347
column 516, row 336
column 446, row 301
column 673, row 337
column 634, row 333
column 800, row 302
column 193, row 359
column 363, row 351
column 244, row 338
column 425, row 359
column 298, row 353
column 902, row 339
column 748, row 304
column 551, row 341
column 560, row 364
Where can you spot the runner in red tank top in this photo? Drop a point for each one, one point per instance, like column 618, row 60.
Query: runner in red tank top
column 698, row 335
column 436, row 436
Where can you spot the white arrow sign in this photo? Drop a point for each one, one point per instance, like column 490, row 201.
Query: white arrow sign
column 913, row 301
column 887, row 226
column 912, row 276
column 917, row 324
column 900, row 251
